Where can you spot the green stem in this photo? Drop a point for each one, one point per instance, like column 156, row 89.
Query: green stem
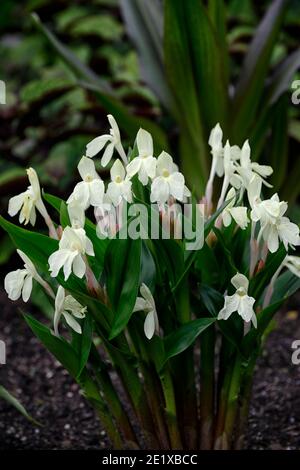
column 207, row 390
column 232, row 405
column 244, row 405
column 171, row 412
column 93, row 396
column 152, row 387
column 113, row 400
column 184, row 375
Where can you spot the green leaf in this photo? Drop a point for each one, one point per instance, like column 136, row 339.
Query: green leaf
column 5, row 395
column 38, row 248
column 283, row 76
column 60, row 349
column 122, row 266
column 127, row 121
column 38, row 89
column 78, row 67
column 253, row 74
column 278, row 149
column 82, row 343
column 104, row 26
column 144, row 21
column 183, row 337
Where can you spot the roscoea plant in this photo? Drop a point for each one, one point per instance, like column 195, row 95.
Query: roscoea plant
column 133, row 295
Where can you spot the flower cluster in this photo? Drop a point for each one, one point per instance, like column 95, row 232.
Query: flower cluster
column 240, row 203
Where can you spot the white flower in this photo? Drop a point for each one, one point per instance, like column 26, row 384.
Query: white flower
column 90, row 191
column 231, row 154
column 215, row 142
column 144, row 164
column 27, row 202
column 248, row 169
column 73, row 245
column 239, row 214
column 282, row 230
column 293, row 264
column 69, row 308
column 19, row 283
column 239, row 302
column 114, row 142
column 146, row 304
column 275, row 227
column 168, row 181
column 76, row 213
column 120, row 186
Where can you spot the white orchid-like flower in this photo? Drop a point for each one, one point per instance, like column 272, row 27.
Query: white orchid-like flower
column 274, row 226
column 76, row 213
column 19, row 283
column 113, row 140
column 239, row 302
column 248, row 169
column 169, row 182
column 70, row 309
column 215, row 142
column 293, row 264
column 231, row 155
column 27, row 202
column 238, row 214
column 144, row 164
column 120, row 186
column 90, row 191
column 74, row 244
column 146, row 304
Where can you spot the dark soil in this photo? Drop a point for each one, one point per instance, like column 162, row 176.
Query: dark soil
column 68, row 421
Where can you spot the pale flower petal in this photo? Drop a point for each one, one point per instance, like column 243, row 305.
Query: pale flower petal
column 149, row 325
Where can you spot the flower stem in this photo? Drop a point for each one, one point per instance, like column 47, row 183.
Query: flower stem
column 207, row 390
column 171, row 412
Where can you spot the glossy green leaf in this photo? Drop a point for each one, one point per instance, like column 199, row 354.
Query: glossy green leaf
column 144, row 21
column 253, row 74
column 122, row 267
column 183, row 337
column 60, row 349
column 9, row 398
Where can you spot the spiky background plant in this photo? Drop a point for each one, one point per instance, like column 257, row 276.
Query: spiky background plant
column 189, row 59
column 139, row 307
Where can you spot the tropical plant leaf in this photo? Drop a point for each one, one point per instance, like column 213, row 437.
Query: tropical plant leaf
column 122, row 266
column 7, row 396
column 178, row 341
column 144, row 22
column 253, row 74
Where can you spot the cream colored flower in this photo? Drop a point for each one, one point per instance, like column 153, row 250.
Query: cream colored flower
column 144, row 164
column 73, row 245
column 27, row 202
column 90, row 190
column 168, row 182
column 120, row 186
column 19, row 283
column 239, row 302
column 113, row 140
column 70, row 309
column 146, row 304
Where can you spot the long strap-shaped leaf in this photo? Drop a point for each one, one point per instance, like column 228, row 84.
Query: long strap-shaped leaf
column 88, row 79
column 253, row 74
column 144, row 21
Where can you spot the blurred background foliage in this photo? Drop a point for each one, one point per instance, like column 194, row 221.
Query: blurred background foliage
column 175, row 67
